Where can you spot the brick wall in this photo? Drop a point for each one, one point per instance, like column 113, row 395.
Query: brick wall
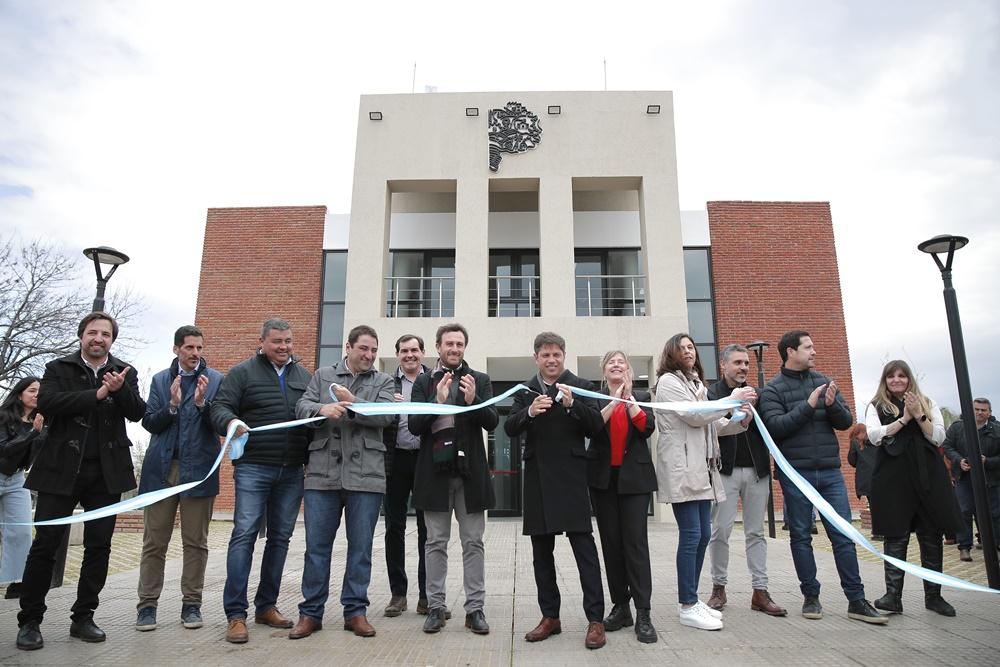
column 774, row 268
column 258, row 263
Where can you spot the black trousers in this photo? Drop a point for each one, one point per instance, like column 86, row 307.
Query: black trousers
column 585, row 552
column 91, row 492
column 621, row 520
column 398, row 488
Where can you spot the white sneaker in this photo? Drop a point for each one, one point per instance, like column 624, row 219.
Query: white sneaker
column 714, row 613
column 696, row 617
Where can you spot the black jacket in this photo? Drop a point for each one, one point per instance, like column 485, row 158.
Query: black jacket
column 863, row 459
column 556, row 496
column 637, row 474
column 804, row 434
column 955, row 448
column 751, row 438
column 430, row 486
column 251, row 392
column 67, row 397
column 17, row 444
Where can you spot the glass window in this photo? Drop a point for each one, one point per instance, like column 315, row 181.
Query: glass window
column 709, row 362
column 700, row 324
column 330, row 356
column 332, row 332
column 335, row 276
column 696, row 274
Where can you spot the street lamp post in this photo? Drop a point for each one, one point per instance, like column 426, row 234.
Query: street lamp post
column 104, row 255
column 947, row 244
column 758, row 347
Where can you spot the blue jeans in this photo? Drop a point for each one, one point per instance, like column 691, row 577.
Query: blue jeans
column 15, row 507
column 276, row 490
column 967, row 503
column 323, row 512
column 799, row 516
column 694, row 527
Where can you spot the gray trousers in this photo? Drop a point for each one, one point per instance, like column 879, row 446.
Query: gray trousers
column 741, row 485
column 471, row 526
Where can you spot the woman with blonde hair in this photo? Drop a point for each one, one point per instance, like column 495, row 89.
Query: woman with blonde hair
column 688, row 468
column 621, row 478
column 910, row 489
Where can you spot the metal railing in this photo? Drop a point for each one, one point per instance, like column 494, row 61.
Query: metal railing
column 611, row 296
column 420, row 296
column 515, row 296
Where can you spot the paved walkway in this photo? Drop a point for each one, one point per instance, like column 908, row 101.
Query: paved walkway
column 918, row 637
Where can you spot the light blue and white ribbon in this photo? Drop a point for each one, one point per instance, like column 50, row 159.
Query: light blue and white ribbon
column 841, row 524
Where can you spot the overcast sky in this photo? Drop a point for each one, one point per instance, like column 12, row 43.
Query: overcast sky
column 122, row 122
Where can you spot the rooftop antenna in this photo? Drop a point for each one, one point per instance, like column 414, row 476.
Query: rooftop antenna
column 413, row 86
column 605, row 74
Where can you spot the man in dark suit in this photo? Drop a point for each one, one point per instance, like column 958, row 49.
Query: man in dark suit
column 556, row 425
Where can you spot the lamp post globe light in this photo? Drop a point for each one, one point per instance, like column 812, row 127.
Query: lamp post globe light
column 947, row 244
column 758, row 347
column 104, row 255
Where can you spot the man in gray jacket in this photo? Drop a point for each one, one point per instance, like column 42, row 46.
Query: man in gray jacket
column 345, row 474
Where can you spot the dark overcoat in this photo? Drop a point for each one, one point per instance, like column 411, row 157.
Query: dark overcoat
column 556, row 497
column 430, row 487
column 637, row 474
column 67, row 396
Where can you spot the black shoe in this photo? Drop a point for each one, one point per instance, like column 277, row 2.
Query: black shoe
column 435, row 621
column 644, row 630
column 620, row 617
column 861, row 610
column 13, row 591
column 811, row 608
column 814, row 530
column 29, row 637
column 87, row 630
column 476, row 621
column 936, row 603
column 890, row 604
column 964, row 555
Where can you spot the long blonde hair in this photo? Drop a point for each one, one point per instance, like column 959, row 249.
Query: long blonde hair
column 883, row 399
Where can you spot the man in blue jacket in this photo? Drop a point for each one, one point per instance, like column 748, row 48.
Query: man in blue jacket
column 183, row 448
column 801, row 408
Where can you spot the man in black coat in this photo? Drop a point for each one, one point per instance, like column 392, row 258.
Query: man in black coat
column 801, row 408
column 86, row 398
column 453, row 473
column 556, row 425
column 746, row 477
column 956, row 449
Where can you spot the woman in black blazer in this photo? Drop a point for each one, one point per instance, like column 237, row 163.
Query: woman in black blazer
column 621, row 478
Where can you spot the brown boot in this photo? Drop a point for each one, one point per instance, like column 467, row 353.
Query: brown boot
column 545, row 629
column 718, row 599
column 761, row 601
column 237, row 633
column 595, row 635
column 360, row 626
column 273, row 618
column 305, row 627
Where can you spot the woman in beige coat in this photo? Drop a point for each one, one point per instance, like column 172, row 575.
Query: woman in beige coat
column 688, row 468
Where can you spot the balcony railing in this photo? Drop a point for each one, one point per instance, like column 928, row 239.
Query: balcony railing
column 611, row 296
column 515, row 296
column 420, row 296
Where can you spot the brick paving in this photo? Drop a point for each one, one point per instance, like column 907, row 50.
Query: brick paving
column 918, row 637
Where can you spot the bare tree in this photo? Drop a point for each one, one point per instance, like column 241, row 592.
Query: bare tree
column 42, row 299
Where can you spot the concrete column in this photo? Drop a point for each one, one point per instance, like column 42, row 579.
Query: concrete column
column 368, row 259
column 660, row 229
column 556, row 249
column 472, row 252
